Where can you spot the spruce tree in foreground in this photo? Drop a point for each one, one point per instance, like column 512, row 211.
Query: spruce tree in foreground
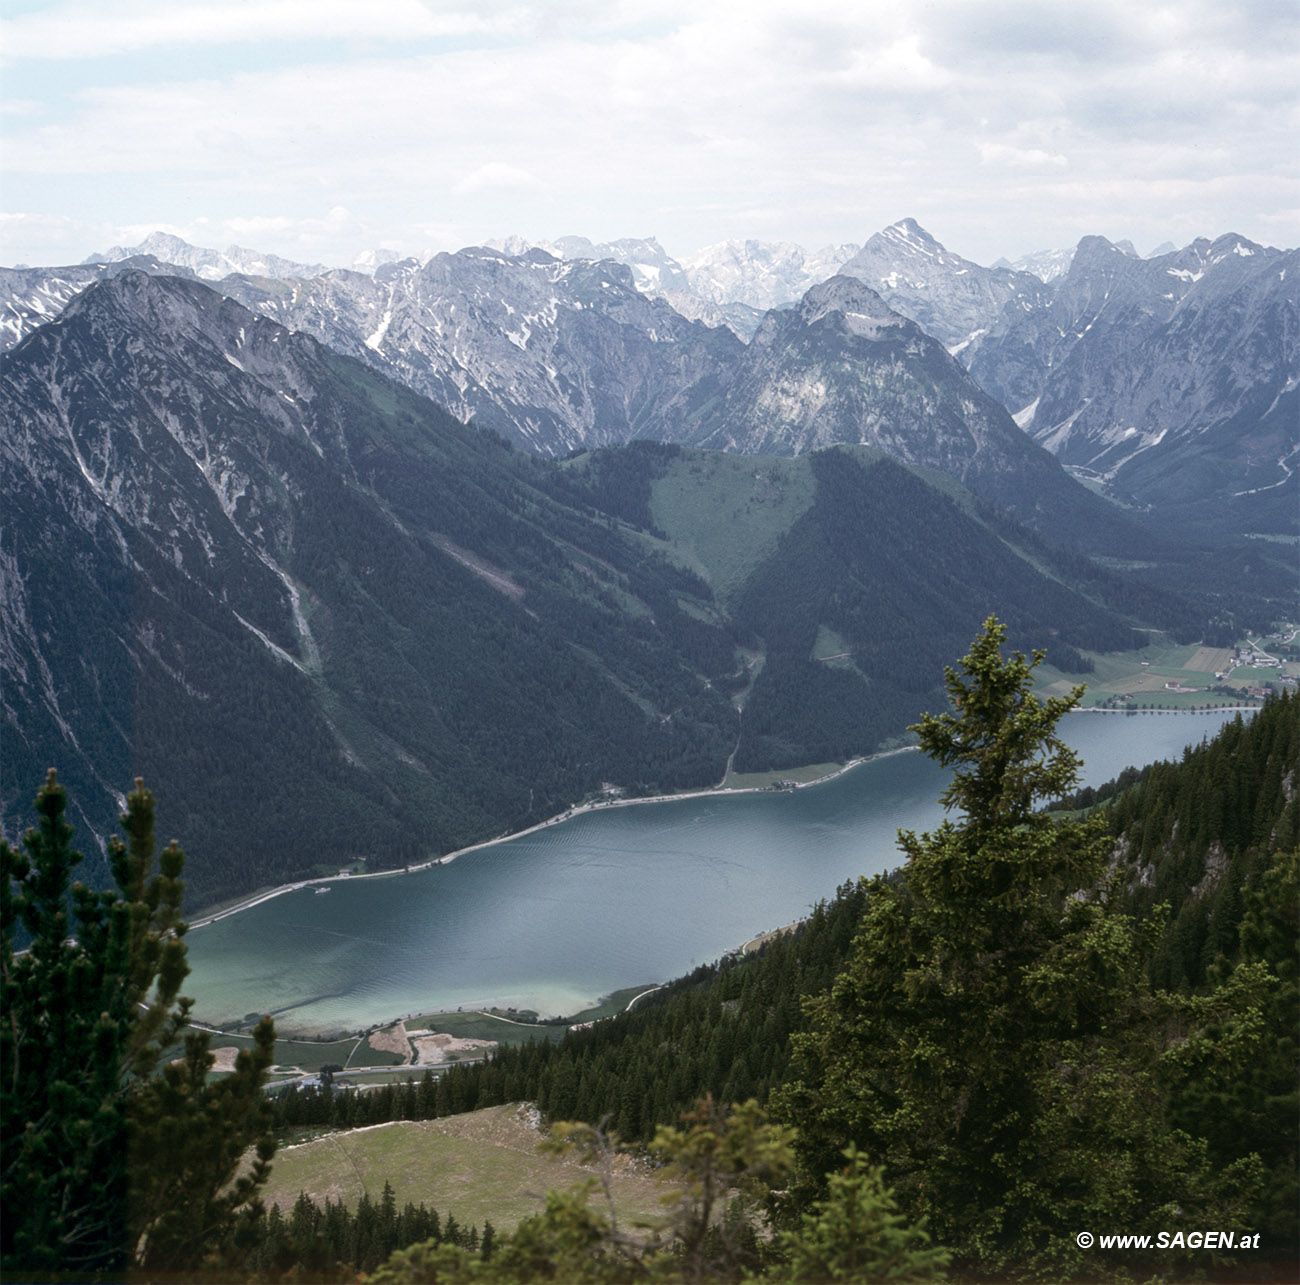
column 109, row 1161
column 993, row 1041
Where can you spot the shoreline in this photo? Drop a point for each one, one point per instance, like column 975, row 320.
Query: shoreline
column 832, row 773
column 1209, row 709
column 714, row 791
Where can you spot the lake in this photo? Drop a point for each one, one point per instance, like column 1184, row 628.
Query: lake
column 555, row 919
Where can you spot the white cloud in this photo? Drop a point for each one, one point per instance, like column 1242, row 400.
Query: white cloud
column 1018, row 157
column 691, row 121
column 79, row 30
column 495, row 176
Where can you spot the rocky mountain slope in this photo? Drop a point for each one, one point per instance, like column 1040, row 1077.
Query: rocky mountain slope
column 654, row 270
column 565, row 355
column 949, row 297
column 762, row 274
column 1173, row 380
column 208, row 265
column 1167, row 381
column 325, row 620
column 1047, row 265
column 843, row 367
column 29, row 297
column 553, row 355
column 749, row 274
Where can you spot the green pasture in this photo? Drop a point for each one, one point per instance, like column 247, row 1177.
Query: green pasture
column 1120, row 674
column 479, row 1166
column 309, row 1055
column 475, row 1026
column 758, row 497
column 800, row 775
column 364, row 1055
column 516, row 1027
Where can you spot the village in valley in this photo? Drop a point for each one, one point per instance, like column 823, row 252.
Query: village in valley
column 1167, row 676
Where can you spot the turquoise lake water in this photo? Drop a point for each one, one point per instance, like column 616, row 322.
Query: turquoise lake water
column 556, row 919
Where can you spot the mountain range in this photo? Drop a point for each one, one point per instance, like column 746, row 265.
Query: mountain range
column 951, row 298
column 554, row 355
column 1168, row 383
column 208, row 265
column 418, row 555
column 325, row 619
column 1173, row 381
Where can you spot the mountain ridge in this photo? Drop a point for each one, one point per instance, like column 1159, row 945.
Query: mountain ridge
column 1172, row 380
column 1166, row 383
column 278, row 586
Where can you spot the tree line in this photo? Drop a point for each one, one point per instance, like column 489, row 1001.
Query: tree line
column 1194, row 1086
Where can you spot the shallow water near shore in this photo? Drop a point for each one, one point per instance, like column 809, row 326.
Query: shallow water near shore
column 615, row 897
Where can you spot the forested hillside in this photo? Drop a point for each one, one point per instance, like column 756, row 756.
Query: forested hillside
column 338, row 605
column 1198, row 835
column 988, row 1032
column 1202, row 1046
column 328, row 622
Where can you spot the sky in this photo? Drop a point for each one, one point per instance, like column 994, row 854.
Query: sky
column 319, row 129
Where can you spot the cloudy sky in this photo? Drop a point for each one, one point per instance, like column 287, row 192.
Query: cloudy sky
column 317, row 129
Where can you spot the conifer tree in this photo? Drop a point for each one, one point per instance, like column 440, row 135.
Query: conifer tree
column 856, row 1234
column 993, row 1041
column 109, row 1162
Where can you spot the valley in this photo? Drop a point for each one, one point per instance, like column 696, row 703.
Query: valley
column 452, row 639
column 539, row 922
column 649, row 644
column 403, row 609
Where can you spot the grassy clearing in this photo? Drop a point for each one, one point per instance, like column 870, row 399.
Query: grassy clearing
column 758, row 498
column 478, row 1166
column 832, row 648
column 364, row 1055
column 800, row 775
column 613, row 1003
column 475, row 1026
column 309, row 1055
column 516, row 1028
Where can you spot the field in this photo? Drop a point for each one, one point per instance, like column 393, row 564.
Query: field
column 509, row 1027
column 308, row 1055
column 762, row 497
column 1140, row 678
column 299, row 1057
column 800, row 775
column 478, row 1166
